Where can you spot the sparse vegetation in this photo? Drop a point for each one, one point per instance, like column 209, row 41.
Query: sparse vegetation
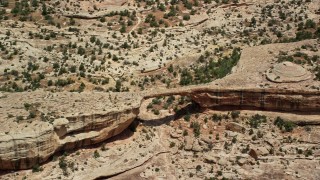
column 284, row 125
column 84, row 70
column 256, row 120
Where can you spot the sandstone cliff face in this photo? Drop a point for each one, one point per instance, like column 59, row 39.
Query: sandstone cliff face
column 88, row 130
column 246, row 98
column 32, row 141
column 23, row 150
column 264, row 100
column 26, row 144
column 26, row 149
column 80, row 119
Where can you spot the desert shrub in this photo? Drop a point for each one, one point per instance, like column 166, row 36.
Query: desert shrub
column 210, row 71
column 196, row 128
column 36, row 168
column 308, row 153
column 302, row 35
column 187, row 117
column 216, row 117
column 256, row 120
column 19, row 118
column 32, row 115
column 172, row 144
column 235, row 114
column 198, row 167
column 284, row 125
column 186, row 17
column 63, row 165
column 96, row 154
column 64, row 82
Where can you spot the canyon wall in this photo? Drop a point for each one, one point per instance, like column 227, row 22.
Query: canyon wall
column 271, row 101
column 263, row 99
column 27, row 144
column 26, row 149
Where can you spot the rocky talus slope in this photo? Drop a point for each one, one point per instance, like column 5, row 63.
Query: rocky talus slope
column 35, row 125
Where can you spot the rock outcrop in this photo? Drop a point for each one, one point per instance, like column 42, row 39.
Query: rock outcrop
column 32, row 141
column 266, row 99
column 235, row 127
column 287, row 72
column 35, row 125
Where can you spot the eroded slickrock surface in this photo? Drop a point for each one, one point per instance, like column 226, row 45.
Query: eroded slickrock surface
column 114, row 89
column 64, row 121
column 288, row 72
column 45, row 123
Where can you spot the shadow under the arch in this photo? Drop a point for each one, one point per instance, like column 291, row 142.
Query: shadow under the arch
column 194, row 107
column 191, row 108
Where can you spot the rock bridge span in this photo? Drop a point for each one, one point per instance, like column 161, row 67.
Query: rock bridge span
column 267, row 99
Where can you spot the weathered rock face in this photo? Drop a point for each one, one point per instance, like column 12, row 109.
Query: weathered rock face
column 265, row 99
column 262, row 99
column 235, row 127
column 94, row 129
column 70, row 120
column 24, row 150
column 287, row 72
column 33, row 141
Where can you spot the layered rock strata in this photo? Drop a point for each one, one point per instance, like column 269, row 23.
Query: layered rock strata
column 287, row 72
column 33, row 141
column 35, row 125
column 59, row 125
column 263, row 99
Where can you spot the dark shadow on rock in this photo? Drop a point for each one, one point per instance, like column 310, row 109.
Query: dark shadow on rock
column 127, row 133
column 191, row 108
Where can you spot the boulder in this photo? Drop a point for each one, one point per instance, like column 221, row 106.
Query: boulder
column 188, row 143
column 60, row 126
column 179, row 131
column 206, row 140
column 222, row 161
column 175, row 135
column 235, row 127
column 196, row 146
column 255, row 152
column 242, row 161
column 209, row 158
